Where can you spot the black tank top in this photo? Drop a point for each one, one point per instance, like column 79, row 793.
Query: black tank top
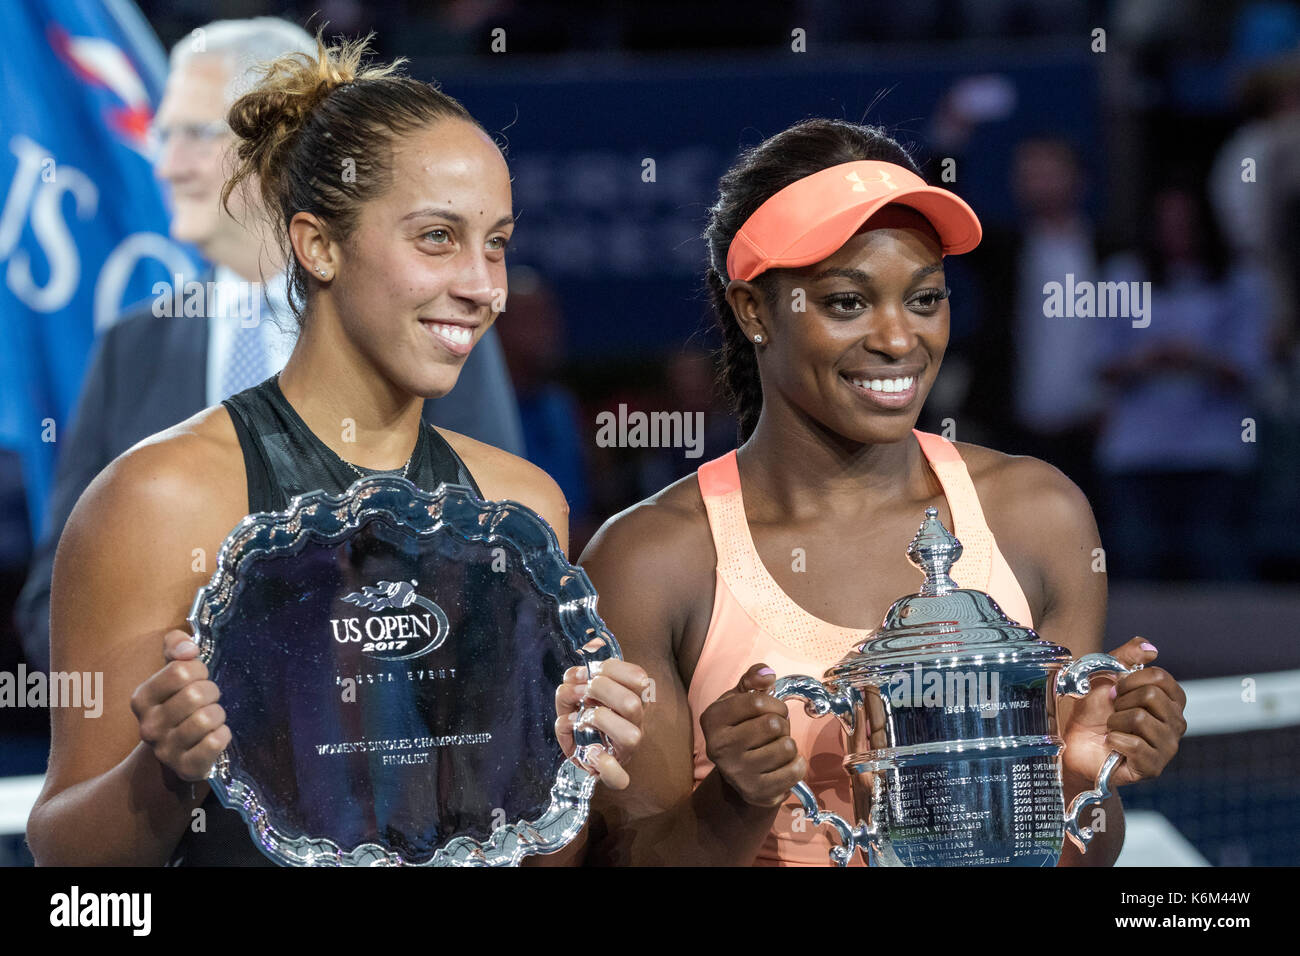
column 284, row 458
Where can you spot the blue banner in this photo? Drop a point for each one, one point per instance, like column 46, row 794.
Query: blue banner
column 83, row 229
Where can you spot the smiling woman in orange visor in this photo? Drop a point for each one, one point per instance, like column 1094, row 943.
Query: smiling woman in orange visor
column 827, row 280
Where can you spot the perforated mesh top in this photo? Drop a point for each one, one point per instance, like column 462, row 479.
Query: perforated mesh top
column 806, row 635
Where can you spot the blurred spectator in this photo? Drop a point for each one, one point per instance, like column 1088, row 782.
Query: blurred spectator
column 689, row 389
column 1175, row 450
column 679, row 383
column 1255, row 184
column 532, row 338
column 1033, row 376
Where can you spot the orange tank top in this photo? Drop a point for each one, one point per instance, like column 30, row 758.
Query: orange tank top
column 753, row 620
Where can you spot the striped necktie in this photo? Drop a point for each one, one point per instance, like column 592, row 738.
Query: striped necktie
column 246, row 365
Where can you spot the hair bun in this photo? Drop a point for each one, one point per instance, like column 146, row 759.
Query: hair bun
column 302, row 149
column 290, row 88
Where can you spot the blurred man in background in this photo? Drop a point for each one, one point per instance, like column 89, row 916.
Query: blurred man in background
column 1033, row 382
column 1177, row 447
column 534, row 346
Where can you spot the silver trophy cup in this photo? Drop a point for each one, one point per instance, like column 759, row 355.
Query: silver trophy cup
column 949, row 719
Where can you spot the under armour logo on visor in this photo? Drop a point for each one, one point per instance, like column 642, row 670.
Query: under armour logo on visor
column 859, row 184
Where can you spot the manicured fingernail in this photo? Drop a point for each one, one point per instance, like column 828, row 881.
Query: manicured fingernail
column 1147, row 646
column 186, row 646
column 1114, row 691
column 580, row 690
column 763, row 672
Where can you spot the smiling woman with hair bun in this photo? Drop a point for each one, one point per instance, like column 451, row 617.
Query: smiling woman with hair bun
column 394, row 210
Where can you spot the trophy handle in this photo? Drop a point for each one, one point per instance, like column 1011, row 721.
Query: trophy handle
column 818, row 702
column 1072, row 681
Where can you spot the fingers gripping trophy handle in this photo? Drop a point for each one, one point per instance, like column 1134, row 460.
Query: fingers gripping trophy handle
column 1072, row 681
column 818, row 702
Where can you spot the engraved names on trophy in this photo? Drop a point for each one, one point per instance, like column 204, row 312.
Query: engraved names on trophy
column 1037, row 807
column 957, row 812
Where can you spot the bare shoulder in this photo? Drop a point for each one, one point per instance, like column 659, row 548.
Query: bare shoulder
column 199, row 456
column 204, row 441
column 139, row 542
column 502, row 476
column 672, row 521
column 1044, row 527
column 662, row 542
column 190, row 476
column 1020, row 493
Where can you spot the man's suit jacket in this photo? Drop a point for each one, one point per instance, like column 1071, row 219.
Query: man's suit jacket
column 991, row 394
column 149, row 372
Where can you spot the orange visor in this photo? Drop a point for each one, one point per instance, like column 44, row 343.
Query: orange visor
column 812, row 217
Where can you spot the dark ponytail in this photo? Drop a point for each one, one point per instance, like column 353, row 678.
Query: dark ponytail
column 761, row 171
column 738, row 362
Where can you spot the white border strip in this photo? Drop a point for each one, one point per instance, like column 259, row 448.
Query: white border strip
column 1151, row 840
column 1226, row 705
column 17, row 795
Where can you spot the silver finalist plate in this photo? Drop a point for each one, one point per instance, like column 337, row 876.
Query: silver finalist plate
column 388, row 661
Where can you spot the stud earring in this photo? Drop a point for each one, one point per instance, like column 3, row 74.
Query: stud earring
column 758, row 338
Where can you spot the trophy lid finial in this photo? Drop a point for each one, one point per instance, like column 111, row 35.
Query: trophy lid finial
column 934, row 550
column 942, row 625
